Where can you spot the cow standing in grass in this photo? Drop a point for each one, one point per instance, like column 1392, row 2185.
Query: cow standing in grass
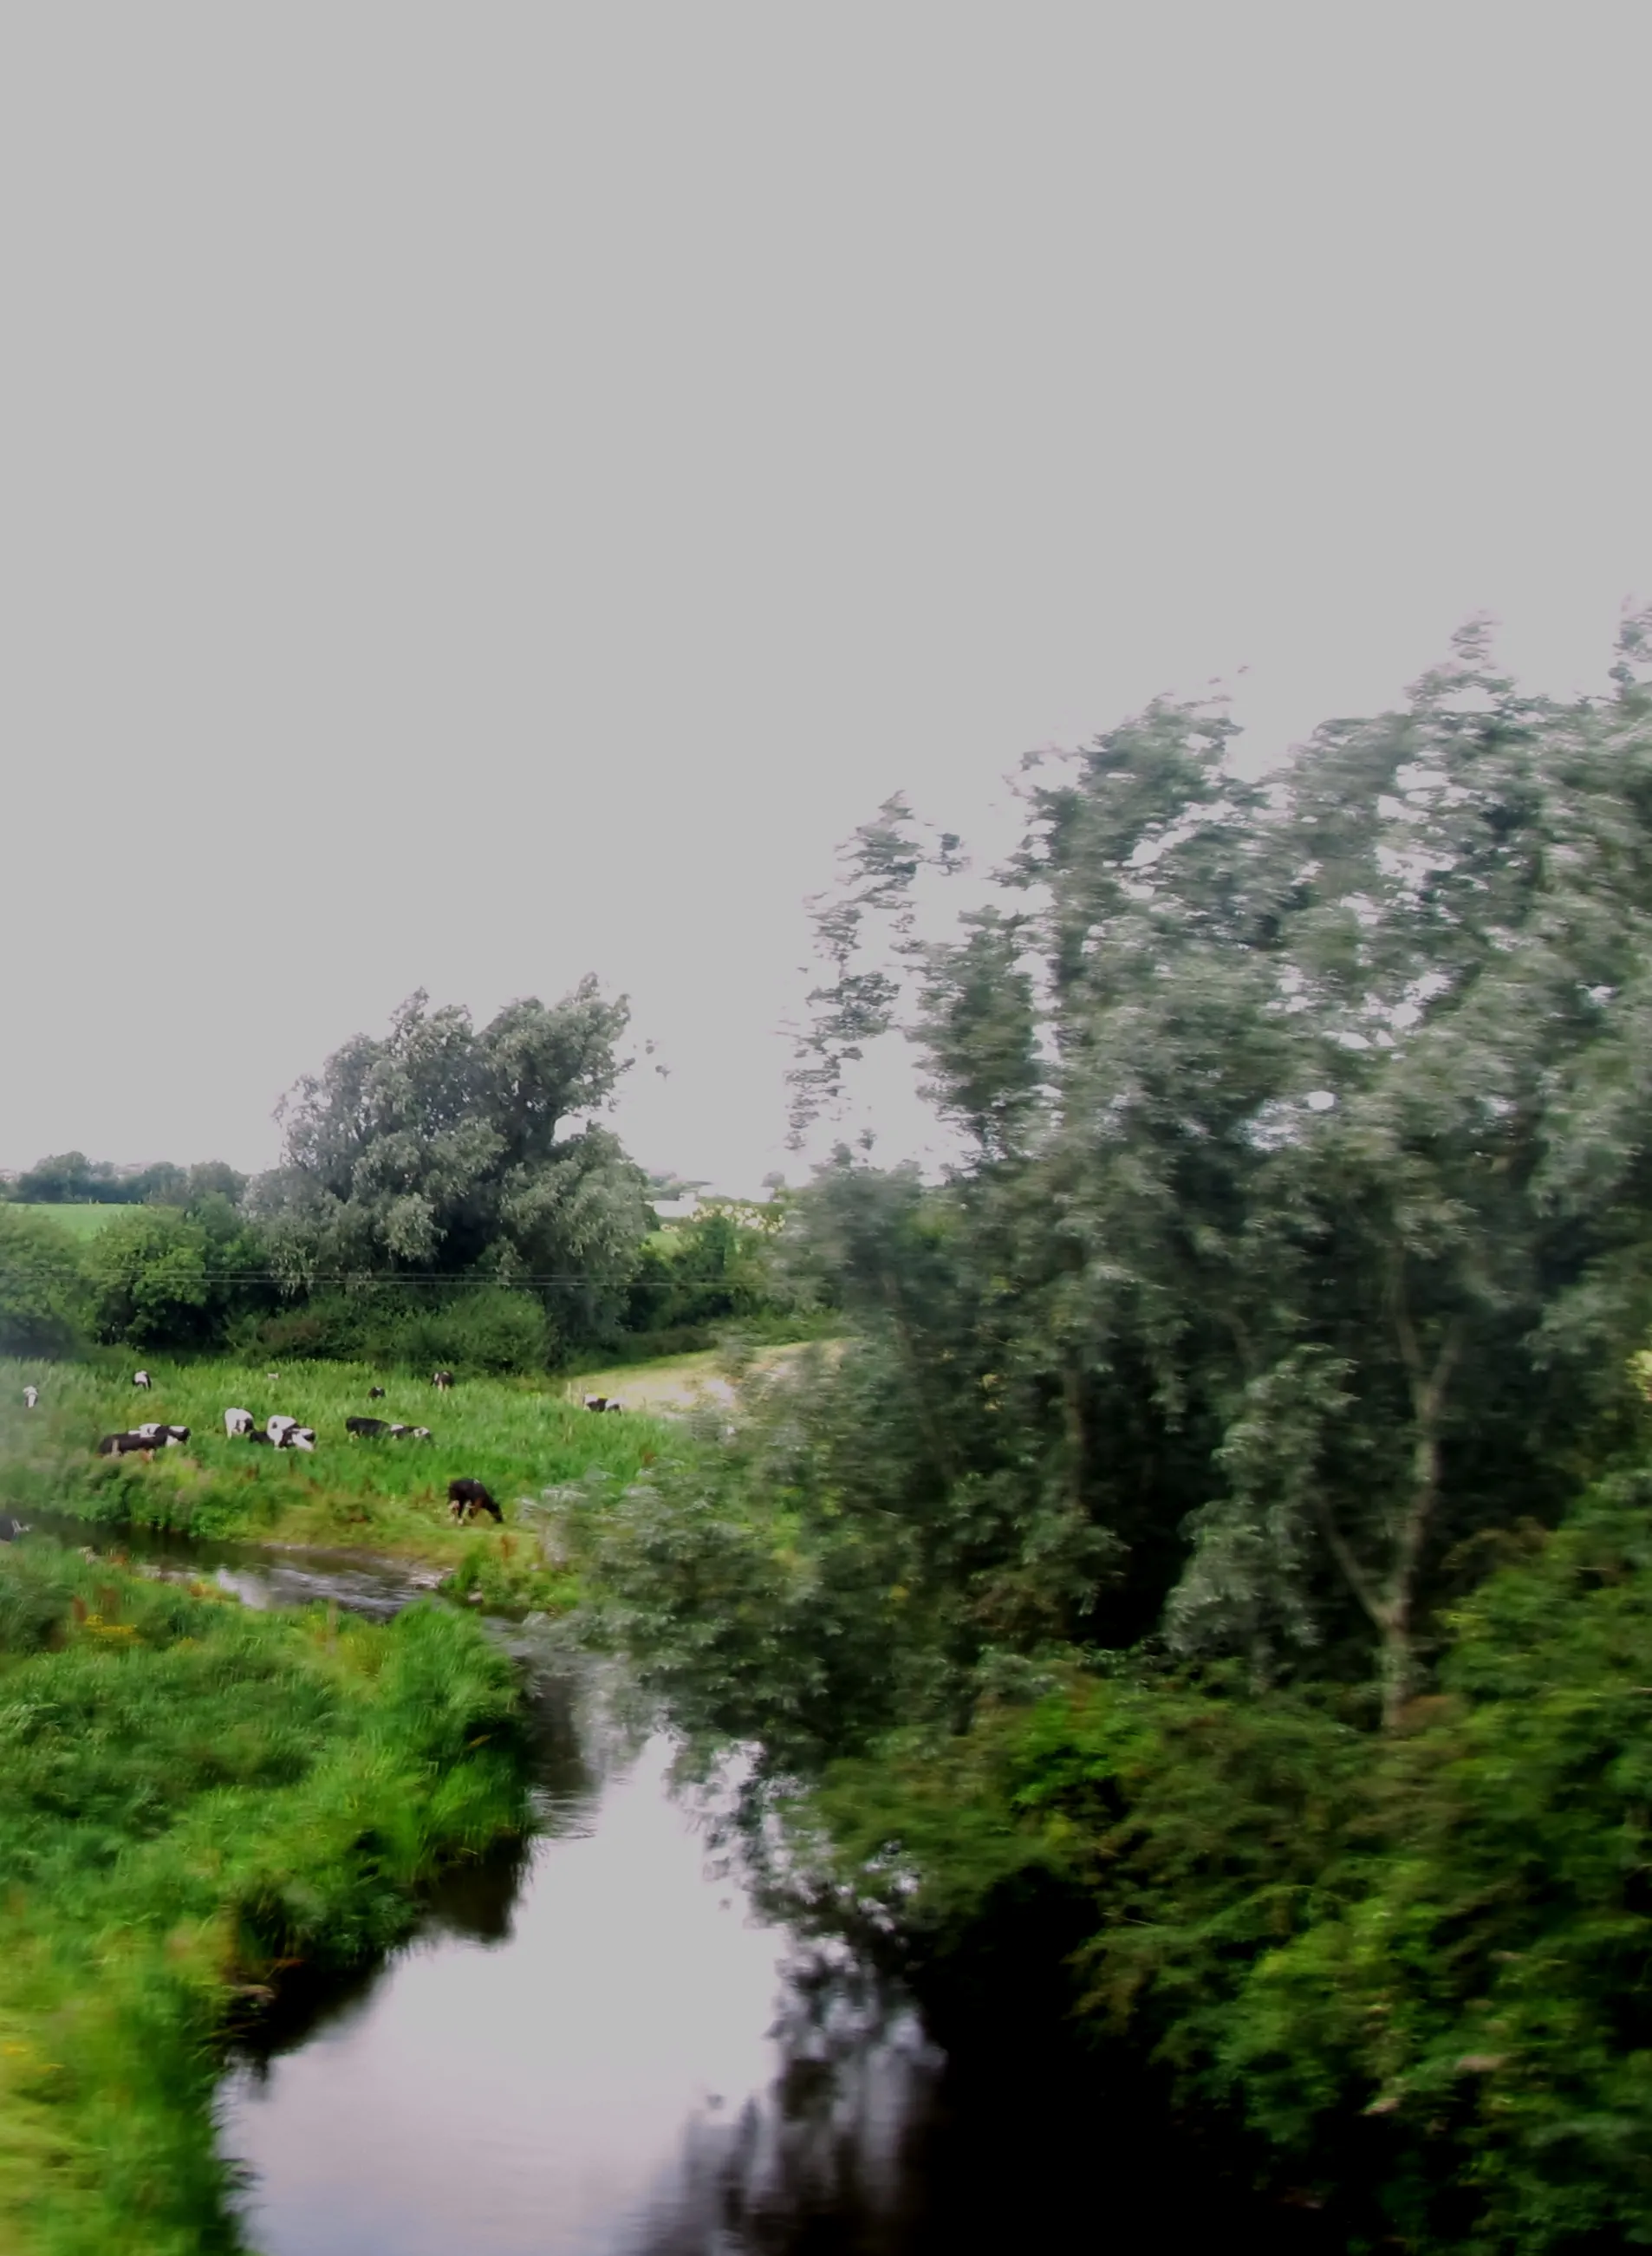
column 467, row 1498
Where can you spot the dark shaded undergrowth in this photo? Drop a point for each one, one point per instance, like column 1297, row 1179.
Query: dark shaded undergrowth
column 1401, row 1980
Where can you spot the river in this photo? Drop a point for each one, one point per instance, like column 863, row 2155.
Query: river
column 594, row 2046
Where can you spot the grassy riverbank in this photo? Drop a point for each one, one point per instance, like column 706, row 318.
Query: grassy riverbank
column 518, row 1436
column 194, row 1797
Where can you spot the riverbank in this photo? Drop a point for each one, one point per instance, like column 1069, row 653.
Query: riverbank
column 194, row 1798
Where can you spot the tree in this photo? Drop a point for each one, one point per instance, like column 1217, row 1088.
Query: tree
column 1303, row 1223
column 444, row 1153
column 149, row 1281
column 66, row 1179
column 43, row 1294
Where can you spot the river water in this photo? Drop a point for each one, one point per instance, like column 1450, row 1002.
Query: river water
column 594, row 2046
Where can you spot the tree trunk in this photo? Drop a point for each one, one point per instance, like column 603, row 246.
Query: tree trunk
column 1427, row 1404
column 1391, row 1609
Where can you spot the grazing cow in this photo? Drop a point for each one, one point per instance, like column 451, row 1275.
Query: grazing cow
column 10, row 1528
column 258, row 1436
column 142, row 1378
column 297, row 1437
column 375, row 1394
column 366, row 1429
column 277, row 1424
column 418, row 1433
column 237, row 1421
column 30, row 1396
column 467, row 1498
column 156, row 1434
column 127, row 1445
column 441, row 1380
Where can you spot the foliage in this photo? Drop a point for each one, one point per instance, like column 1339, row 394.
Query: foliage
column 469, row 1330
column 1288, row 1274
column 192, row 1797
column 170, row 1277
column 43, row 1288
column 1410, row 1963
column 715, row 1265
column 1301, row 1228
column 443, row 1151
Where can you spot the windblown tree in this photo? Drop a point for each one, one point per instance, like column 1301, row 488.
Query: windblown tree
column 1302, row 1224
column 446, row 1153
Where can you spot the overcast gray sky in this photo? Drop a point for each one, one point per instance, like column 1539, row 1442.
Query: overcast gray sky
column 488, row 493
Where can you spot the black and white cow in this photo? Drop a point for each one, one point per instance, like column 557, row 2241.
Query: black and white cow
column 367, row 1429
column 441, row 1380
column 467, row 1498
column 603, row 1402
column 142, row 1378
column 375, row 1394
column 127, row 1445
column 277, row 1425
column 297, row 1437
column 237, row 1422
column 30, row 1396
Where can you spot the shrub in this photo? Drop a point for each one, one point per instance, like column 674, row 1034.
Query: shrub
column 43, row 1285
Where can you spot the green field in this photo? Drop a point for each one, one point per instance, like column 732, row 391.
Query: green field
column 519, row 1436
column 81, row 1220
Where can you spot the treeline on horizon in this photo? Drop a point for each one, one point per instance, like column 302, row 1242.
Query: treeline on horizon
column 445, row 1193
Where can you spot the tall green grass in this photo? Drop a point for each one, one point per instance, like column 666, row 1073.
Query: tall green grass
column 518, row 1436
column 193, row 1798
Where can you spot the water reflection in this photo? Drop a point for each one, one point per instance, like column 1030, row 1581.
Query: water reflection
column 599, row 2068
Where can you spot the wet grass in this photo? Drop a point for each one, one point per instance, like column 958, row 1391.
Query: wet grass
column 517, row 1436
column 194, row 1798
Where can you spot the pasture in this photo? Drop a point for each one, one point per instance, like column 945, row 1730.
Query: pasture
column 518, row 1436
column 83, row 1221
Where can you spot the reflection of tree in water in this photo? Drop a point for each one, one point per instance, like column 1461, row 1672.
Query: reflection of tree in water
column 823, row 2162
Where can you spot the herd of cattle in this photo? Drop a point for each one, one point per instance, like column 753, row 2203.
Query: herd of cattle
column 465, row 1497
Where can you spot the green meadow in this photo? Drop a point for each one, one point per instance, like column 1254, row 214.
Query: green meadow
column 518, row 1436
column 82, row 1221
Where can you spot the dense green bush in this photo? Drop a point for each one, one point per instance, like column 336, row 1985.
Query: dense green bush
column 470, row 1329
column 45, row 1299
column 1411, row 1966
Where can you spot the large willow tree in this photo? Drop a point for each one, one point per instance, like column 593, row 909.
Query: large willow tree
column 1302, row 1224
column 444, row 1150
